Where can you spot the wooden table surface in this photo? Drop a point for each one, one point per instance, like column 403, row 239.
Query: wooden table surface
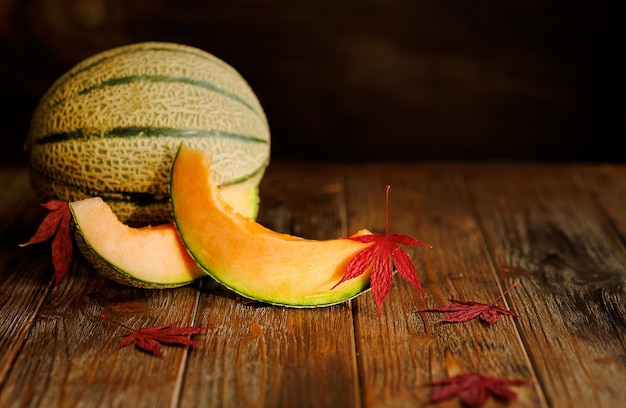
column 558, row 231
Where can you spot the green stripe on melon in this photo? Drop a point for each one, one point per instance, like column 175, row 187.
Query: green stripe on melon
column 147, row 132
column 171, row 79
column 150, row 209
column 111, row 126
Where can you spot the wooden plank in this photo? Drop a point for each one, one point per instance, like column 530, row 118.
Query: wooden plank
column 557, row 231
column 26, row 272
column 401, row 351
column 608, row 184
column 273, row 356
column 548, row 234
column 70, row 357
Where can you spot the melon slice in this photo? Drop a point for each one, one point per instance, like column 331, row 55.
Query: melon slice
column 149, row 257
column 248, row 258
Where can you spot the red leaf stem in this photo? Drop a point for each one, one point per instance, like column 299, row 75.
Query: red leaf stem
column 382, row 257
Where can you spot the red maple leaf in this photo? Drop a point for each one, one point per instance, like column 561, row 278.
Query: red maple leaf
column 464, row 311
column 56, row 225
column 150, row 339
column 382, row 257
column 474, row 389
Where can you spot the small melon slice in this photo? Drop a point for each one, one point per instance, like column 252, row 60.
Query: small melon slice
column 248, row 258
column 149, row 257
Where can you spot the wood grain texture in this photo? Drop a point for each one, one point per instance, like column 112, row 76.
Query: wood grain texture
column 549, row 235
column 70, row 357
column 26, row 273
column 556, row 231
column 608, row 186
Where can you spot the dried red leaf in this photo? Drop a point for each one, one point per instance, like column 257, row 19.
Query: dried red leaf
column 463, row 311
column 150, row 339
column 382, row 257
column 474, row 389
column 56, row 225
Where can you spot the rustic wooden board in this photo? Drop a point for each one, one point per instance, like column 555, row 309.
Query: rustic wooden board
column 608, row 185
column 548, row 234
column 557, row 231
column 70, row 357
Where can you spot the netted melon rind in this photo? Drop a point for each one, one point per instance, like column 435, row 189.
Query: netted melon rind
column 112, row 125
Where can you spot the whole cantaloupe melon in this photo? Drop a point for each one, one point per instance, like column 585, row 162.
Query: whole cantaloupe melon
column 112, row 124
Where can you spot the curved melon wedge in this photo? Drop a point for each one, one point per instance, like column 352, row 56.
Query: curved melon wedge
column 248, row 258
column 149, row 257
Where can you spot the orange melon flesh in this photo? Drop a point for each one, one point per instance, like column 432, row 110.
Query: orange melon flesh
column 249, row 258
column 145, row 257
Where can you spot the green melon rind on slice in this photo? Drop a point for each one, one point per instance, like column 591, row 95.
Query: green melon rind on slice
column 110, row 271
column 99, row 254
column 231, row 263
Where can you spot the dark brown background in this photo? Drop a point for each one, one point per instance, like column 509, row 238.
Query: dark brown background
column 349, row 80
